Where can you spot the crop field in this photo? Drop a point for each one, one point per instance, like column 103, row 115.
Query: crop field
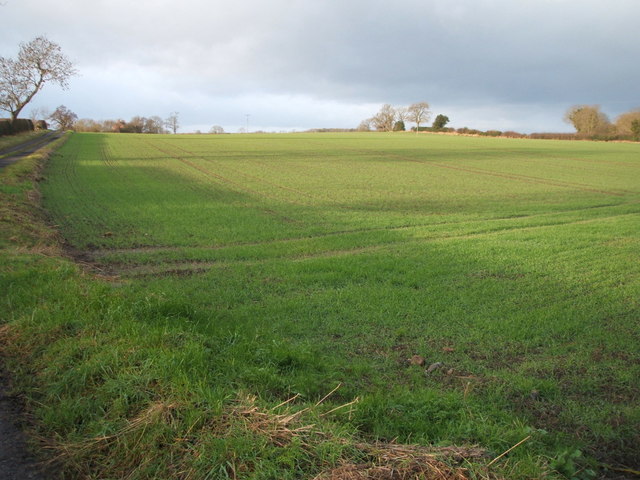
column 455, row 290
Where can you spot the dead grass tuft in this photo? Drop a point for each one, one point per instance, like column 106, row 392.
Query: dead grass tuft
column 412, row 471
column 393, row 461
column 278, row 428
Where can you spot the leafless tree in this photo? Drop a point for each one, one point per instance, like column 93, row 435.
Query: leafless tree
column 39, row 62
column 63, row 118
column 216, row 129
column 39, row 113
column 87, row 125
column 154, row 125
column 419, row 113
column 384, row 119
column 172, row 122
column 402, row 114
column 365, row 125
column 136, row 124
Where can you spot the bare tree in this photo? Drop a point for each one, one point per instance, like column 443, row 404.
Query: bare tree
column 63, row 117
column 216, row 129
column 402, row 114
column 40, row 61
column 172, row 122
column 365, row 125
column 39, row 113
column 154, row 125
column 135, row 125
column 419, row 113
column 87, row 125
column 384, row 119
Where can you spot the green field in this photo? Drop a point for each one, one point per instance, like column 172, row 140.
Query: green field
column 268, row 266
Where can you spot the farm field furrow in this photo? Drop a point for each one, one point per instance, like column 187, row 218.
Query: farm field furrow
column 304, row 261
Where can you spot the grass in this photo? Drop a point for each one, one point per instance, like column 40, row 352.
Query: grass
column 260, row 269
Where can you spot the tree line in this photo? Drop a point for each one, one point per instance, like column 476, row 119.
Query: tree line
column 390, row 119
column 41, row 61
column 63, row 118
column 137, row 124
column 590, row 122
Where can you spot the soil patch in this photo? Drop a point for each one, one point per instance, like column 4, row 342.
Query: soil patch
column 16, row 461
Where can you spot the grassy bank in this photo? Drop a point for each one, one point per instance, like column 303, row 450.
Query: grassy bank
column 470, row 292
column 7, row 141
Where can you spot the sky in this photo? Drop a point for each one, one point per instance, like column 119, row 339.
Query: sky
column 285, row 65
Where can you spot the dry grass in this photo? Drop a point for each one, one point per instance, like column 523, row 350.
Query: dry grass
column 278, row 426
column 392, row 461
column 279, row 429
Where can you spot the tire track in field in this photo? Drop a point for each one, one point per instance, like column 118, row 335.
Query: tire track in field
column 127, row 266
column 531, row 179
column 223, row 179
column 511, row 176
column 315, row 198
column 193, row 267
column 208, row 173
column 254, row 177
column 88, row 211
column 355, row 231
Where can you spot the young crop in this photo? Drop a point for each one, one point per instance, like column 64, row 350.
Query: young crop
column 249, row 270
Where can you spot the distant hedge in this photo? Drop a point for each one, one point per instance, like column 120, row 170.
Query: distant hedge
column 19, row 125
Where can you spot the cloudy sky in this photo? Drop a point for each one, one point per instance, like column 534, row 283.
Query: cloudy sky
column 296, row 64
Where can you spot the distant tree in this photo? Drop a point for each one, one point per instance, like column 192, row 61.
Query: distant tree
column 440, row 122
column 365, row 125
column 111, row 125
column 172, row 122
column 87, row 125
column 39, row 113
column 384, row 119
column 63, row 118
column 587, row 119
column 39, row 62
column 635, row 130
column 153, row 124
column 625, row 121
column 135, row 125
column 402, row 114
column 419, row 113
column 399, row 126
column 216, row 129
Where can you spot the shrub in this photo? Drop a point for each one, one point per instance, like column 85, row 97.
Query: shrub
column 18, row 125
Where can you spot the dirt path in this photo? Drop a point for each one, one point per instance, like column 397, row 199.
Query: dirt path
column 15, row 153
column 16, row 463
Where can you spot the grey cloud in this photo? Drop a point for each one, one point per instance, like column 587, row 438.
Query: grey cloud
column 460, row 53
